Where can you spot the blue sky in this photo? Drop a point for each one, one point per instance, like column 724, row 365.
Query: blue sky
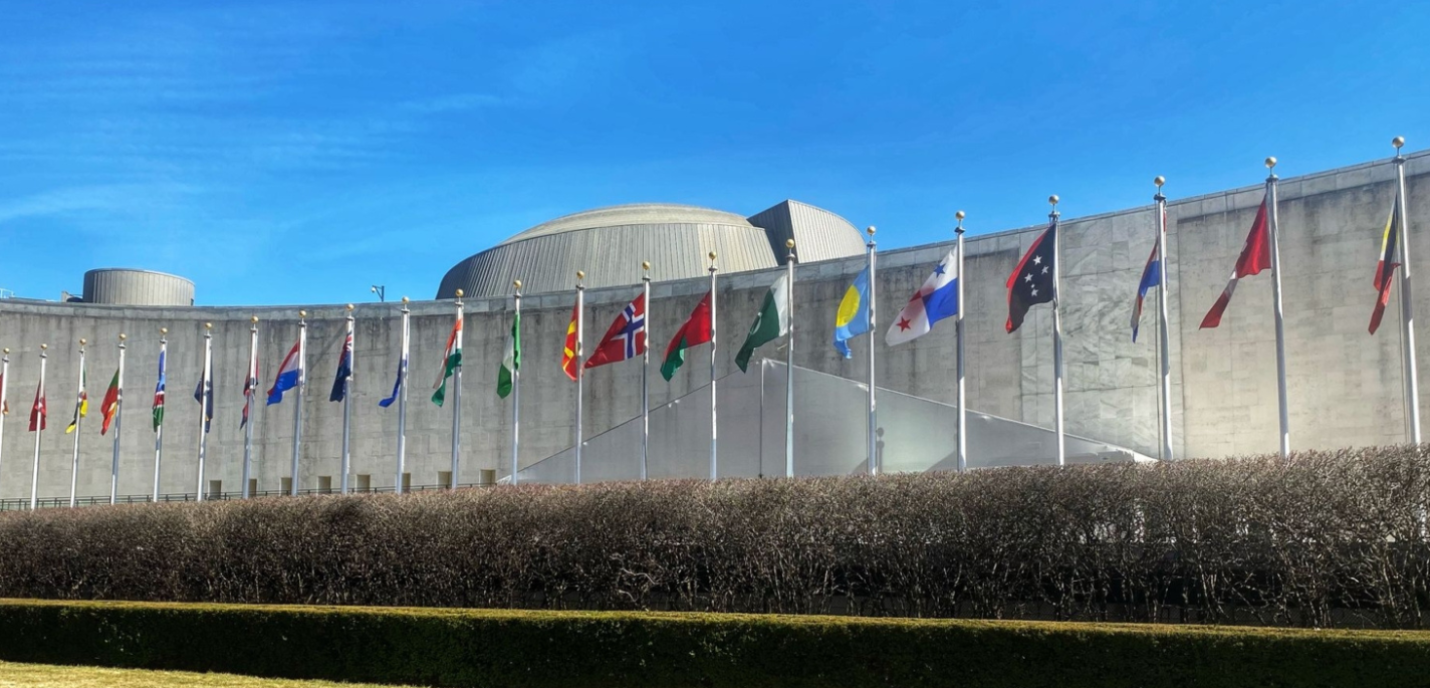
column 299, row 152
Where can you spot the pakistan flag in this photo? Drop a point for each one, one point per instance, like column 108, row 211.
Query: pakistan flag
column 772, row 322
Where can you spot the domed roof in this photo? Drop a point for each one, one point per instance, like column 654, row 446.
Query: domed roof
column 609, row 244
column 632, row 214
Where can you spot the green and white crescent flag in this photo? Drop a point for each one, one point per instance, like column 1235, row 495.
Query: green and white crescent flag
column 511, row 362
column 772, row 322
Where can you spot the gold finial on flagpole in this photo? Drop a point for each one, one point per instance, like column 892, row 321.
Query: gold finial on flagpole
column 1397, row 142
column 645, row 265
column 44, row 346
column 82, row 341
column 1270, row 162
column 302, row 314
column 123, row 336
column 1159, row 181
column 208, row 326
column 580, row 275
column 460, row 293
column 959, row 216
column 517, row 284
column 163, row 331
column 789, row 243
column 405, row 299
column 254, row 319
column 1053, row 199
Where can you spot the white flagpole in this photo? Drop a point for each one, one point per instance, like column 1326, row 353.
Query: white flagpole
column 348, row 401
column 958, row 332
column 4, row 383
column 118, row 423
column 1407, row 314
column 251, row 388
column 1057, row 335
column 1164, row 376
column 159, row 431
column 402, row 397
column 204, row 408
column 873, row 410
column 790, row 260
column 516, row 388
column 714, row 447
column 39, row 430
column 298, row 400
column 580, row 373
column 457, row 403
column 78, row 423
column 1273, row 222
column 645, row 371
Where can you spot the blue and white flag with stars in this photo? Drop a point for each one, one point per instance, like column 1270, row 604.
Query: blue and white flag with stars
column 935, row 300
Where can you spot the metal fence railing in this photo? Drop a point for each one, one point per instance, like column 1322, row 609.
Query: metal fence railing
column 22, row 503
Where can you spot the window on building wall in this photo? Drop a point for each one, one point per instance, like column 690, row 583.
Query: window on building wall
column 253, row 486
column 286, row 485
column 364, row 483
column 406, row 482
column 325, row 484
column 444, row 479
column 215, row 489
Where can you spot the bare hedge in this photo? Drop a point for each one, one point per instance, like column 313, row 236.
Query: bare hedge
column 1322, row 539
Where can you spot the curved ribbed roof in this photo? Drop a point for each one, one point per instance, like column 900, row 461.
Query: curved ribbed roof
column 632, row 214
column 610, row 243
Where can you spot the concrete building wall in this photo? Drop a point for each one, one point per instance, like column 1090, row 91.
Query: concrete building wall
column 1345, row 385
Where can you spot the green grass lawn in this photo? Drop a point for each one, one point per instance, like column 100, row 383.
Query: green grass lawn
column 46, row 676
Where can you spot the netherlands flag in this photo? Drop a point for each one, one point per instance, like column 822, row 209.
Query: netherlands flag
column 289, row 375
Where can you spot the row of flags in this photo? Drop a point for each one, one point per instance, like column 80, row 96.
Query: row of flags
column 1034, row 281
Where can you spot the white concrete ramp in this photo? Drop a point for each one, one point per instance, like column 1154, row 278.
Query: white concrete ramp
column 914, row 434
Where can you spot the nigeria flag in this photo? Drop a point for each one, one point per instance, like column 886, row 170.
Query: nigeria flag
column 772, row 322
column 511, row 361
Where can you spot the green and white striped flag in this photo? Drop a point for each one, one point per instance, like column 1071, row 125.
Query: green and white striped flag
column 511, row 361
column 771, row 323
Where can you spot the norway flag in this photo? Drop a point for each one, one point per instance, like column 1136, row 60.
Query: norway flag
column 625, row 339
column 289, row 375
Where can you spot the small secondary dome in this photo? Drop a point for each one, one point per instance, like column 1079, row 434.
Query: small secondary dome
column 130, row 287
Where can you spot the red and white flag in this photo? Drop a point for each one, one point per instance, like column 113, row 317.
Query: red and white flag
column 1255, row 257
column 37, row 412
column 626, row 337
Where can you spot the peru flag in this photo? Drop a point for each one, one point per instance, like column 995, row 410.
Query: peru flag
column 626, row 337
column 1255, row 257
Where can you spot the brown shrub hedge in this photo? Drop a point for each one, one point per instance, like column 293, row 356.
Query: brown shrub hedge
column 1323, row 539
column 546, row 649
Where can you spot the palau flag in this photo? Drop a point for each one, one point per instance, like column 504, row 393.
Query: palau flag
column 853, row 317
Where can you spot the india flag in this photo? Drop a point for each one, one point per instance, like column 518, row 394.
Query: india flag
column 451, row 362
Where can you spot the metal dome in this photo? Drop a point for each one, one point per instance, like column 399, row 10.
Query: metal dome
column 610, row 243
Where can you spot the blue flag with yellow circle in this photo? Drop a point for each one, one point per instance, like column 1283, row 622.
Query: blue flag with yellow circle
column 853, row 317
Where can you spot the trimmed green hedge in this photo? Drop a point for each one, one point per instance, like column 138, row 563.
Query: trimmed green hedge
column 517, row 649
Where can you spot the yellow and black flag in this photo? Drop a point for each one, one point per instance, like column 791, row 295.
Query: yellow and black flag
column 1385, row 268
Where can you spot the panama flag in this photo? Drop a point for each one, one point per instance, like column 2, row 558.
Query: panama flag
column 626, row 337
column 345, row 370
column 935, row 300
column 289, row 375
column 450, row 362
column 1151, row 277
column 1255, row 257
